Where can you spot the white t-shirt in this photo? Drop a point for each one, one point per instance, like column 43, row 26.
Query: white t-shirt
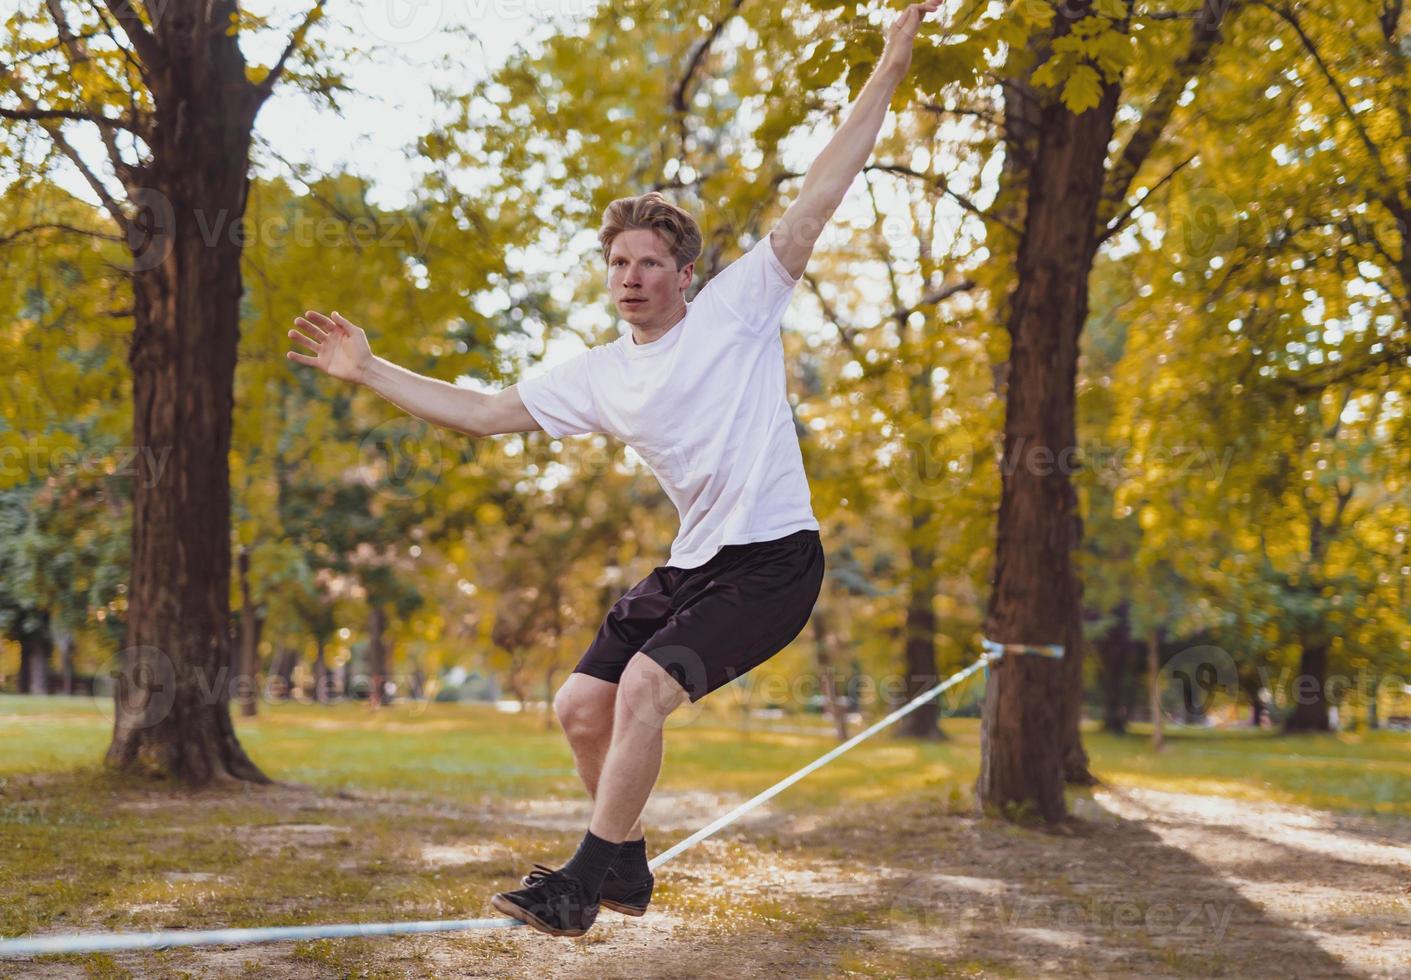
column 705, row 407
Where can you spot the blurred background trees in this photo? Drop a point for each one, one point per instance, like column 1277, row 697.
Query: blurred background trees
column 1239, row 393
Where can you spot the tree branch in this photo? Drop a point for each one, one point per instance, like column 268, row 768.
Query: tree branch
column 1204, row 34
column 944, row 186
column 1292, row 20
column 43, row 115
column 266, row 85
column 10, row 236
column 148, row 48
column 1121, row 220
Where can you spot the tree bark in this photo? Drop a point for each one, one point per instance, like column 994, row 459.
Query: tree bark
column 173, row 714
column 1036, row 596
column 1310, row 708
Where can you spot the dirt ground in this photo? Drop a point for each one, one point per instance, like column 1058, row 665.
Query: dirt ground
column 1138, row 883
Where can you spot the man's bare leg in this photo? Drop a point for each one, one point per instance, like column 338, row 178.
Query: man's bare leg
column 584, row 706
column 646, row 696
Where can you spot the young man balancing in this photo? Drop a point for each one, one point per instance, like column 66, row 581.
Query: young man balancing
column 697, row 389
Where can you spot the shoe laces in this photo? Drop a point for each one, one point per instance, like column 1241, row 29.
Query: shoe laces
column 539, row 874
column 554, row 882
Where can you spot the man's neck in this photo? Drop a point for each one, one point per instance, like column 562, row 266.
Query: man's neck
column 644, row 334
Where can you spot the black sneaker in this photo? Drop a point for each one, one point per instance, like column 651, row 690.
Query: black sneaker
column 618, row 894
column 554, row 903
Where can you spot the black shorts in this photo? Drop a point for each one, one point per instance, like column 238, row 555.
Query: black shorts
column 712, row 624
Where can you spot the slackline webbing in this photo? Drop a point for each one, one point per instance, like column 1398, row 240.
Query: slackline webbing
column 102, row 942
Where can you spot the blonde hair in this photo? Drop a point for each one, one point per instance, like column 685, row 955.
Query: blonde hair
column 654, row 212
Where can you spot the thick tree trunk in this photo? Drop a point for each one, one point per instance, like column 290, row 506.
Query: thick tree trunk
column 1310, row 702
column 1036, row 596
column 173, row 714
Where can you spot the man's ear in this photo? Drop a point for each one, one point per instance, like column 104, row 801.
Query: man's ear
column 689, row 271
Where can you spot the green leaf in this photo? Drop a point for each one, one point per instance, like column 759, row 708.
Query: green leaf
column 1083, row 90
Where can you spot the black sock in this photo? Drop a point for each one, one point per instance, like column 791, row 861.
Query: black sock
column 591, row 861
column 631, row 862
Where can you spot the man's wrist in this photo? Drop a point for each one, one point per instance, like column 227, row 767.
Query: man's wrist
column 892, row 68
column 371, row 371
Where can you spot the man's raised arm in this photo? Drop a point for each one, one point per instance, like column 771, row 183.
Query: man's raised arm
column 830, row 176
column 341, row 350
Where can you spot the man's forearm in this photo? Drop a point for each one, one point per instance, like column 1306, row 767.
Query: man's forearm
column 430, row 399
column 846, row 153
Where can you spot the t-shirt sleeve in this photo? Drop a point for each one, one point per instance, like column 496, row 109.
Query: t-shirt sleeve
column 561, row 398
column 755, row 287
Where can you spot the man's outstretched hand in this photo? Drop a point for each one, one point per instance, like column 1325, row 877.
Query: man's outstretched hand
column 340, row 347
column 901, row 35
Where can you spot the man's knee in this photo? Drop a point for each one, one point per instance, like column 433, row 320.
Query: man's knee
column 647, row 692
column 584, row 705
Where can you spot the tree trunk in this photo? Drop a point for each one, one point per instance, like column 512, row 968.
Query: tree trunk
column 322, row 677
column 67, row 644
column 1310, row 707
column 1373, row 719
column 1257, row 708
column 173, row 714
column 920, row 629
column 1153, row 673
column 283, row 670
column 1114, row 650
column 550, row 719
column 247, row 689
column 34, row 663
column 376, row 655
column 822, row 642
column 1033, row 704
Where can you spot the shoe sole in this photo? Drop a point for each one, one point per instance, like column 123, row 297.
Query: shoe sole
column 530, row 919
column 637, row 910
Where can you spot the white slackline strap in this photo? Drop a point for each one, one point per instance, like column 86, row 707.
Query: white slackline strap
column 99, row 942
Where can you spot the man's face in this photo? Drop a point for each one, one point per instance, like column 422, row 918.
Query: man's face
column 646, row 285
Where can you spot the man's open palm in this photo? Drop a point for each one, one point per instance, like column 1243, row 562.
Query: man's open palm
column 340, row 347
